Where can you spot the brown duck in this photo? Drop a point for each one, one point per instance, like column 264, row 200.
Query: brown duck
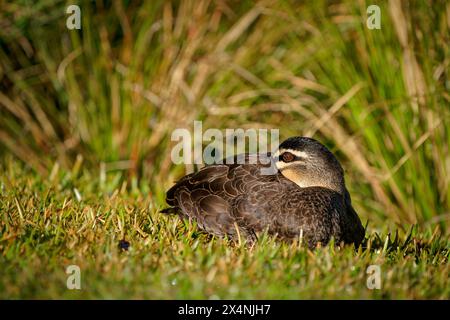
column 305, row 198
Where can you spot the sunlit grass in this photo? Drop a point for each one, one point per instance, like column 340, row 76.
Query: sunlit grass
column 45, row 228
column 113, row 92
column 89, row 114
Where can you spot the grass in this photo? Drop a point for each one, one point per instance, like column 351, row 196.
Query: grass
column 113, row 92
column 91, row 113
column 45, row 228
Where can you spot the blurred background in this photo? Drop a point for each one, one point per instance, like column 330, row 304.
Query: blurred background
column 106, row 98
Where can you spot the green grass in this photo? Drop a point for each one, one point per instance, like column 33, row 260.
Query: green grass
column 113, row 92
column 44, row 229
column 93, row 111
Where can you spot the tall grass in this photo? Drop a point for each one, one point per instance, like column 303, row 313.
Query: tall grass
column 111, row 93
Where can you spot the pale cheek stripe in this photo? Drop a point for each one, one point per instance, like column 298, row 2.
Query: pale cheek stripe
column 282, row 165
column 294, row 152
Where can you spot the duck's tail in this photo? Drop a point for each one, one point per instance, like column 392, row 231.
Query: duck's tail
column 170, row 210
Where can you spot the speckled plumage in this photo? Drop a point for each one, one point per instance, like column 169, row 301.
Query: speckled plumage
column 231, row 199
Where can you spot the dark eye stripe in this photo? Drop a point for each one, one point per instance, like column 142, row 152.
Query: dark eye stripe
column 290, row 157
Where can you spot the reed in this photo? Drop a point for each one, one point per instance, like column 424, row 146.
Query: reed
column 107, row 97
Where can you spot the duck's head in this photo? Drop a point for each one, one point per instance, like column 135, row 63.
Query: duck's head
column 308, row 163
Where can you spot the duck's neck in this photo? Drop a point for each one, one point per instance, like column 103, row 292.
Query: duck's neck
column 307, row 180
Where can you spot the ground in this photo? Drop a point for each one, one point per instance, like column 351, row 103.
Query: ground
column 72, row 218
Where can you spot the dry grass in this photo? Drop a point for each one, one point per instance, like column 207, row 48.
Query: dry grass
column 113, row 93
column 102, row 102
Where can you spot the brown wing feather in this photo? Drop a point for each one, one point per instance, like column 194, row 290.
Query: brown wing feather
column 207, row 194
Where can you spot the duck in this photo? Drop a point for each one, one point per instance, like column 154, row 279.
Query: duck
column 304, row 197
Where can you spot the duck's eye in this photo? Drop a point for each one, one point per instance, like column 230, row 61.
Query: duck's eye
column 287, row 157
